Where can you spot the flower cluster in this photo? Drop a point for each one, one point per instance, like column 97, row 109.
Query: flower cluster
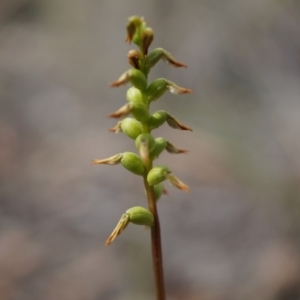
column 140, row 125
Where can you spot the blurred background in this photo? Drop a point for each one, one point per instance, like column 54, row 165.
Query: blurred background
column 236, row 235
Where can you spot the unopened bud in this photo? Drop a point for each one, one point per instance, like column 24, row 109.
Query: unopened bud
column 147, row 39
column 140, row 111
column 172, row 149
column 157, row 119
column 156, row 89
column 134, row 95
column 134, row 57
column 146, row 139
column 140, row 216
column 135, row 77
column 136, row 215
column 133, row 23
column 174, row 123
column 159, row 53
column 177, row 90
column 131, row 127
column 157, row 175
column 113, row 160
column 133, row 163
column 160, row 146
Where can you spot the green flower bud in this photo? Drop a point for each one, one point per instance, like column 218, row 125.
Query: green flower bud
column 134, row 76
column 147, row 139
column 147, row 39
column 157, row 119
column 140, row 216
column 131, row 127
column 138, row 79
column 134, row 95
column 158, row 190
column 156, row 89
column 157, row 175
column 133, row 23
column 140, row 111
column 159, row 53
column 133, row 163
column 160, row 146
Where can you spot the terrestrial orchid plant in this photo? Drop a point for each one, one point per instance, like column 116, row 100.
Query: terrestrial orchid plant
column 139, row 128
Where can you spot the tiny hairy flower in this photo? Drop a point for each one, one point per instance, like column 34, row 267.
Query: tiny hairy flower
column 134, row 95
column 147, row 139
column 131, row 127
column 140, row 216
column 133, row 163
column 156, row 89
column 157, row 119
column 129, row 161
column 137, row 109
column 137, row 215
column 140, row 111
column 134, row 76
column 157, row 175
column 160, row 146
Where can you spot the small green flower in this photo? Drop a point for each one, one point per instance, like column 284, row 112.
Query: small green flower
column 131, row 127
column 159, row 53
column 133, row 163
column 157, row 175
column 147, row 139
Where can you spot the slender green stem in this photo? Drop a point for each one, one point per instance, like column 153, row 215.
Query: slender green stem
column 156, row 244
column 155, row 233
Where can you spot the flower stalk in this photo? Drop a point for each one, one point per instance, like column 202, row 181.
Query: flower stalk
column 139, row 128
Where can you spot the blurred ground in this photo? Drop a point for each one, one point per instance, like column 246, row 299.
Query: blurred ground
column 234, row 236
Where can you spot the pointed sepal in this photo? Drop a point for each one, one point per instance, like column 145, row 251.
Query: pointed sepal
column 134, row 76
column 174, row 123
column 113, row 160
column 159, row 53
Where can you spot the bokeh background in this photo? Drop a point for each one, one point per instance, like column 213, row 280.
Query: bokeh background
column 235, row 235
